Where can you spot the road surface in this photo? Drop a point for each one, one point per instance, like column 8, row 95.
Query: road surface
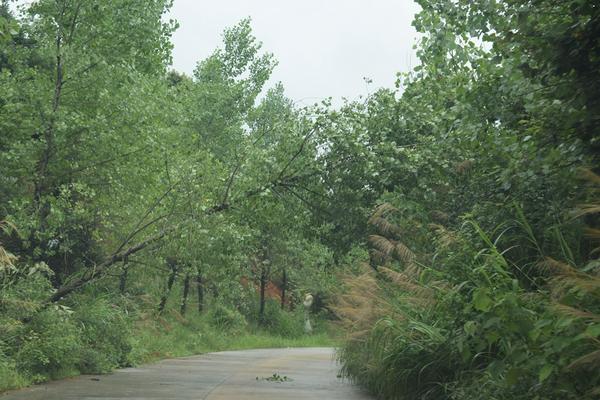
column 300, row 373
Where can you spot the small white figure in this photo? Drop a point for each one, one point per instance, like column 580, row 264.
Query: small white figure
column 308, row 301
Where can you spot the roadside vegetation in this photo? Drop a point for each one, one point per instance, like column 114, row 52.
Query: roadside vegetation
column 447, row 228
column 482, row 275
column 146, row 214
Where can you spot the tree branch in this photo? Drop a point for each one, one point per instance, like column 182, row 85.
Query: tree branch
column 104, row 266
column 297, row 154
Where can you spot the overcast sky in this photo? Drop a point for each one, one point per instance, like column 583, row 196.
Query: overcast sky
column 324, row 47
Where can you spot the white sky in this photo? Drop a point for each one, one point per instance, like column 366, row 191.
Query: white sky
column 324, row 47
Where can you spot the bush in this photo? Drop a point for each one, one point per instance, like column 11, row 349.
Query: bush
column 105, row 335
column 472, row 330
column 230, row 321
column 282, row 323
column 9, row 377
column 50, row 345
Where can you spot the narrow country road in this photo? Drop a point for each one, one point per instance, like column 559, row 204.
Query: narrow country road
column 230, row 375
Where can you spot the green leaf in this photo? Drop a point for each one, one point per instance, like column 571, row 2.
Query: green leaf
column 593, row 330
column 534, row 334
column 470, row 327
column 512, row 376
column 481, row 300
column 545, row 372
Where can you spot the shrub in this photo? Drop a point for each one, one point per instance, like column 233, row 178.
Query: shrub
column 9, row 377
column 282, row 323
column 50, row 345
column 105, row 333
column 471, row 329
column 230, row 321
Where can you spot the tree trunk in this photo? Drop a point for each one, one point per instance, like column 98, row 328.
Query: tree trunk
column 283, row 288
column 123, row 278
column 186, row 291
column 172, row 276
column 41, row 176
column 263, row 284
column 200, row 287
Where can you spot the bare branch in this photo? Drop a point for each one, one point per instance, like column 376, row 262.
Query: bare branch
column 138, row 227
column 230, row 183
column 297, row 154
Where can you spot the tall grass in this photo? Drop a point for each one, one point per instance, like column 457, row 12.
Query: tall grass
column 487, row 316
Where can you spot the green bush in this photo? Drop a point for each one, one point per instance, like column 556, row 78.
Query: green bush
column 50, row 345
column 471, row 329
column 105, row 333
column 282, row 323
column 230, row 321
column 9, row 377
column 91, row 337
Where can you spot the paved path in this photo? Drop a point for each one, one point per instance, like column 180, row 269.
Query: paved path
column 229, row 375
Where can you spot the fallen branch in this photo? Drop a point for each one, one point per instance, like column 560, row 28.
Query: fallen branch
column 100, row 269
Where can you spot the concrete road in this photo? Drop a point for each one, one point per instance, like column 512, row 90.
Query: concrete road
column 230, row 375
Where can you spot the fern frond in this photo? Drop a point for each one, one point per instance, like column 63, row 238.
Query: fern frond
column 583, row 283
column 377, row 256
column 423, row 294
column 554, row 267
column 7, row 260
column 445, row 237
column 412, row 270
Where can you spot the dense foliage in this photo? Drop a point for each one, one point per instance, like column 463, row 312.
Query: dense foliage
column 144, row 210
column 483, row 275
column 449, row 224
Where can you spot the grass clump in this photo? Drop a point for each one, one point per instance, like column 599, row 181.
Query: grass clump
column 105, row 332
column 227, row 320
column 473, row 325
column 289, row 324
